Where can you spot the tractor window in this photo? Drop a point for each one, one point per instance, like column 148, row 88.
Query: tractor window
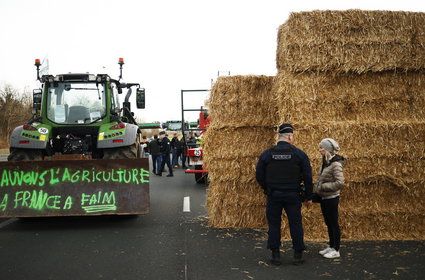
column 75, row 103
column 115, row 97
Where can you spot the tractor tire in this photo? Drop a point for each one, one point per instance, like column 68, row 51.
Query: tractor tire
column 131, row 151
column 25, row 155
column 200, row 178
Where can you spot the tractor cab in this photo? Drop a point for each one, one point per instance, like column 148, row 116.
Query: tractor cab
column 77, row 99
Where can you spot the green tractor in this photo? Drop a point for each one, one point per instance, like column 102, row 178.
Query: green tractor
column 80, row 129
column 79, row 114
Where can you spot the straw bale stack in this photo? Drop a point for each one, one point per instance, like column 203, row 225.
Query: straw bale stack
column 351, row 41
column 243, row 117
column 355, row 76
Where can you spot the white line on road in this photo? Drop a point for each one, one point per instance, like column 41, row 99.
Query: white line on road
column 186, row 204
column 8, row 222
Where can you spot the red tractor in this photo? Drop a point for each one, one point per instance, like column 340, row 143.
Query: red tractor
column 192, row 141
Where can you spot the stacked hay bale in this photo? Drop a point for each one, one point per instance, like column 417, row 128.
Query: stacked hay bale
column 242, row 126
column 359, row 77
column 356, row 76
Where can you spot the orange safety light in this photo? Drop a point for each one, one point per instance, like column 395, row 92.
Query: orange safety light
column 38, row 64
column 121, row 63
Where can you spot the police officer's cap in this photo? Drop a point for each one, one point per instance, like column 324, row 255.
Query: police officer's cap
column 161, row 132
column 286, row 128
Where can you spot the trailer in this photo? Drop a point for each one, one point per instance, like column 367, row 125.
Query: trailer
column 192, row 146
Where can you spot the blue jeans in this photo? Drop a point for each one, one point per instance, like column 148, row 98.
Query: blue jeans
column 159, row 162
column 156, row 163
column 175, row 157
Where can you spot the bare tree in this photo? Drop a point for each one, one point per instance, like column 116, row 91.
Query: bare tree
column 15, row 110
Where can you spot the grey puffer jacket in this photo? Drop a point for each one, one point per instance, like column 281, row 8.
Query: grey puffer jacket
column 331, row 177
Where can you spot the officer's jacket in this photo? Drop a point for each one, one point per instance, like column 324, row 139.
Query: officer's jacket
column 165, row 146
column 299, row 167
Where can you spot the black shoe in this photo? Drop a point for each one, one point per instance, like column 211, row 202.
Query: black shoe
column 298, row 258
column 275, row 257
column 170, row 175
column 159, row 174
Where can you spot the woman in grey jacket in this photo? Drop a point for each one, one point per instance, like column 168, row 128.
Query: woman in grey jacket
column 328, row 186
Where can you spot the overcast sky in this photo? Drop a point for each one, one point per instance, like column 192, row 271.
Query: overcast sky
column 167, row 45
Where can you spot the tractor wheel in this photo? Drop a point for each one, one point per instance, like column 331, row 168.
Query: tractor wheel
column 121, row 152
column 200, row 178
column 25, row 155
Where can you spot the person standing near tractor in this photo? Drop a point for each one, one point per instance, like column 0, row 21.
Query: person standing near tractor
column 183, row 153
column 145, row 143
column 280, row 171
column 176, row 150
column 165, row 150
column 154, row 150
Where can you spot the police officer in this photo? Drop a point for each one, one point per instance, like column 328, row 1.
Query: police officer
column 165, row 150
column 280, row 171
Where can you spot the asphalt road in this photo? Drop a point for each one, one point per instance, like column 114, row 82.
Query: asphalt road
column 171, row 244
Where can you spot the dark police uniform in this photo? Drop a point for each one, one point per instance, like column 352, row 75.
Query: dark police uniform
column 280, row 172
column 165, row 150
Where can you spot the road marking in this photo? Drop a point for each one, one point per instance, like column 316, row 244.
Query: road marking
column 8, row 222
column 186, row 204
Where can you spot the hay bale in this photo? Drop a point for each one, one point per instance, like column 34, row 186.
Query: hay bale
column 400, row 171
column 360, row 225
column 403, row 139
column 232, row 143
column 236, row 217
column 241, row 169
column 377, row 118
column 235, row 204
column 380, row 225
column 243, row 117
column 351, row 41
column 382, row 195
column 388, row 96
column 230, row 193
column 239, row 101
